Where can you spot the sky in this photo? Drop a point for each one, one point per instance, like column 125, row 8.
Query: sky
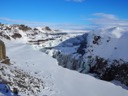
column 72, row 14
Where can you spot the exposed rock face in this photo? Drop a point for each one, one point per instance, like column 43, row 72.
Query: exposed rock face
column 96, row 40
column 68, row 61
column 5, row 36
column 3, row 57
column 115, row 70
column 102, row 52
column 47, row 28
column 24, row 28
column 16, row 35
column 106, row 70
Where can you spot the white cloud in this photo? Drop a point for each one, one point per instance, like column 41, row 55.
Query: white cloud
column 105, row 20
column 76, row 0
column 103, row 15
column 99, row 20
column 10, row 20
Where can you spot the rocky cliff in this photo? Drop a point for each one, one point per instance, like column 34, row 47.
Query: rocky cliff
column 103, row 52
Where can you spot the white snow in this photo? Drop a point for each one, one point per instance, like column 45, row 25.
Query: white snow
column 58, row 81
column 116, row 46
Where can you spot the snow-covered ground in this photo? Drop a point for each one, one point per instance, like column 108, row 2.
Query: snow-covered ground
column 112, row 43
column 58, row 81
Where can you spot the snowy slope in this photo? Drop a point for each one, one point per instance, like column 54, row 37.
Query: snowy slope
column 58, row 81
column 81, row 53
column 102, row 51
column 111, row 45
column 12, row 77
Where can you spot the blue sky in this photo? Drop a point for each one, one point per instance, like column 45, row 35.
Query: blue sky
column 64, row 13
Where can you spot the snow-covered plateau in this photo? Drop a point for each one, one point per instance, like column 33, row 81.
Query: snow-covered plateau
column 102, row 54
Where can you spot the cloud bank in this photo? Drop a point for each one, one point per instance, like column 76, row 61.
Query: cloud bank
column 108, row 20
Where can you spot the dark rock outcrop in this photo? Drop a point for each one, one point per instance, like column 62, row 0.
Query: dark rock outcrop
column 3, row 57
column 16, row 35
column 24, row 27
column 116, row 70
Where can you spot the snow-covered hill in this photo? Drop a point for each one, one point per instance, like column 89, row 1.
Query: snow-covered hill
column 102, row 52
column 30, row 35
column 58, row 81
column 109, row 43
